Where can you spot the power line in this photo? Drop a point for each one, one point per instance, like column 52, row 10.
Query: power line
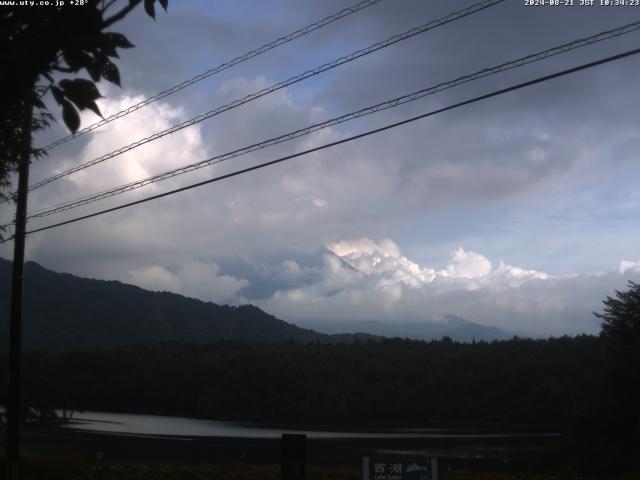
column 224, row 66
column 349, row 139
column 290, row 81
column 535, row 57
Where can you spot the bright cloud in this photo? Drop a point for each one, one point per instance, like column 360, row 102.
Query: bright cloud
column 367, row 280
column 628, row 266
column 177, row 149
column 468, row 265
column 383, row 260
column 194, row 279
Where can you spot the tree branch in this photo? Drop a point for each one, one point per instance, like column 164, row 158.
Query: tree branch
column 108, row 5
column 62, row 69
column 120, row 15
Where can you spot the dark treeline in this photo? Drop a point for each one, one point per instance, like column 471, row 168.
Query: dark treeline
column 539, row 384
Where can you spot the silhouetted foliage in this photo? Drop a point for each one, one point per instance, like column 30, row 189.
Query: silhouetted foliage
column 621, row 321
column 40, row 44
column 534, row 384
column 614, row 426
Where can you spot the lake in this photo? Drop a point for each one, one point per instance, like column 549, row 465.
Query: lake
column 156, row 425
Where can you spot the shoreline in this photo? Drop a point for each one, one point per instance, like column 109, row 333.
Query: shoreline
column 485, row 453
column 167, row 425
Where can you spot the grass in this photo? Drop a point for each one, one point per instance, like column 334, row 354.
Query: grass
column 85, row 468
column 76, row 469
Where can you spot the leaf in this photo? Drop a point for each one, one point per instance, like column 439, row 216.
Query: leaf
column 38, row 152
column 94, row 69
column 109, row 49
column 82, row 93
column 118, row 40
column 93, row 106
column 65, row 84
column 110, row 73
column 79, row 88
column 38, row 104
column 70, row 116
column 96, row 66
column 57, row 94
column 165, row 4
column 76, row 59
column 149, row 8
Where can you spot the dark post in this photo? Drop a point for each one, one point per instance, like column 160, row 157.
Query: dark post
column 294, row 456
column 15, row 334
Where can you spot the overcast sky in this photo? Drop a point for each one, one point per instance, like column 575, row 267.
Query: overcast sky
column 522, row 211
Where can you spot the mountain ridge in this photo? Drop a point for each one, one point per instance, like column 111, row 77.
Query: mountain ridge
column 457, row 328
column 63, row 311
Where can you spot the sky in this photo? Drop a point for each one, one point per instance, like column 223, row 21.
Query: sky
column 521, row 211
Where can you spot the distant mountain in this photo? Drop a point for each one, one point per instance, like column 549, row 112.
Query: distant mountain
column 456, row 328
column 63, row 312
column 463, row 330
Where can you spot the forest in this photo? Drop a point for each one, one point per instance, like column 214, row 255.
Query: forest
column 521, row 383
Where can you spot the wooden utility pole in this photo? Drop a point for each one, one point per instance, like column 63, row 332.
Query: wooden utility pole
column 15, row 335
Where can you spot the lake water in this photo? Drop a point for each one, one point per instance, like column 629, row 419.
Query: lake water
column 155, row 425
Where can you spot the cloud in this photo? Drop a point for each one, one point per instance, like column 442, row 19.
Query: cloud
column 468, row 265
column 367, row 280
column 155, row 278
column 544, row 178
column 381, row 259
column 160, row 155
column 194, row 279
column 628, row 266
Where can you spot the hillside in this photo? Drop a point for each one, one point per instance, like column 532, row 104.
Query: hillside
column 65, row 312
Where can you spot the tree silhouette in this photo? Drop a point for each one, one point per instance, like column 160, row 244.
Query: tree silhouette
column 621, row 317
column 40, row 43
column 619, row 412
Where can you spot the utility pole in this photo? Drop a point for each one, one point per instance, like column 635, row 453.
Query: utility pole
column 15, row 335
